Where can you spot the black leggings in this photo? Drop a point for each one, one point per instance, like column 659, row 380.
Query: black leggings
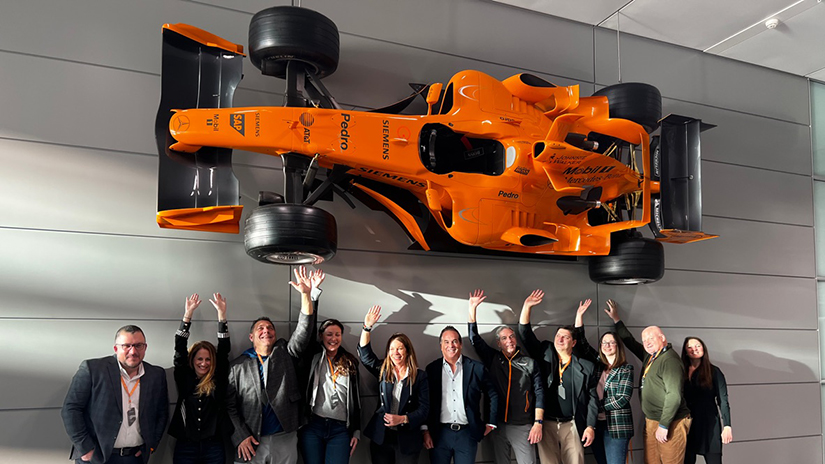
column 710, row 458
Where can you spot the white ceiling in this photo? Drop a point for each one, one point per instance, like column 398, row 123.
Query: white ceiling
column 731, row 28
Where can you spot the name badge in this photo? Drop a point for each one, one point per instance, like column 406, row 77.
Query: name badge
column 562, row 392
column 131, row 415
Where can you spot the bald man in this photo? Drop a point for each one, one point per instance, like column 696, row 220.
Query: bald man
column 667, row 418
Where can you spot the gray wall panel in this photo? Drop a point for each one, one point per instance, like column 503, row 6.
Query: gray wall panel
column 691, row 75
column 33, row 436
column 100, row 276
column 714, row 300
column 751, row 405
column 805, row 449
column 749, row 140
column 747, row 247
column 766, row 196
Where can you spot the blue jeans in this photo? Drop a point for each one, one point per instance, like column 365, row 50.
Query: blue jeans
column 324, row 441
column 199, row 452
column 606, row 449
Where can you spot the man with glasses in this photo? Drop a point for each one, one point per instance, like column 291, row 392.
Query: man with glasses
column 570, row 401
column 667, row 417
column 117, row 407
column 521, row 392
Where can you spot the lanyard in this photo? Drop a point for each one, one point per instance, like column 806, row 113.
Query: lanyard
column 126, row 389
column 509, row 382
column 263, row 366
column 562, row 368
column 332, row 372
column 650, row 362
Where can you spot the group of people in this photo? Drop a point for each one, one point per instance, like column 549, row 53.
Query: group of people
column 280, row 397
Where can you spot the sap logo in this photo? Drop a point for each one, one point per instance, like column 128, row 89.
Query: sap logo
column 238, row 123
column 588, row 170
column 344, row 136
column 504, row 194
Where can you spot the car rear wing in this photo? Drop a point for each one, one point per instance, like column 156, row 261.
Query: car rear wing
column 677, row 166
column 196, row 191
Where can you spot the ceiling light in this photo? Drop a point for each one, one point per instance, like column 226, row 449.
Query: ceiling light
column 772, row 23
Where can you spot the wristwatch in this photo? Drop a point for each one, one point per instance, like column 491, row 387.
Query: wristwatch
column 539, row 421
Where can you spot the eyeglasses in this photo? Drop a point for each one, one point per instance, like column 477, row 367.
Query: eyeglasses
column 608, row 343
column 128, row 346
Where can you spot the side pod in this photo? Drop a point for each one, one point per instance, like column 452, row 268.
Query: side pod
column 196, row 191
column 677, row 165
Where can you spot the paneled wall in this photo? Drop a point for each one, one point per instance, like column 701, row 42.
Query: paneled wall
column 79, row 86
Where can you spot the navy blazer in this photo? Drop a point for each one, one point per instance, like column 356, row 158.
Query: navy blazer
column 414, row 404
column 476, row 381
column 93, row 408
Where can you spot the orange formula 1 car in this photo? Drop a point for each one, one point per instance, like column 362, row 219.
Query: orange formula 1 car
column 519, row 165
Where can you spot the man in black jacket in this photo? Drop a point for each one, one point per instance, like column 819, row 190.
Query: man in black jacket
column 455, row 425
column 521, row 392
column 117, row 407
column 570, row 401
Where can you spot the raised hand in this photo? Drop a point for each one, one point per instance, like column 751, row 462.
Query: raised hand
column 612, row 311
column 534, row 298
column 316, row 277
column 219, row 303
column 583, row 305
column 476, row 298
column 372, row 316
column 190, row 305
column 302, row 281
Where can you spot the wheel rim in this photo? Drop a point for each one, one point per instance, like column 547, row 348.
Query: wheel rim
column 628, row 281
column 294, row 257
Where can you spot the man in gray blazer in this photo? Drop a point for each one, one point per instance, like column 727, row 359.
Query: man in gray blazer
column 264, row 394
column 117, row 407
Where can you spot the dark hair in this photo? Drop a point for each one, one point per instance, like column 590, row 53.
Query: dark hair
column 620, row 359
column 386, row 373
column 703, row 372
column 262, row 318
column 206, row 384
column 568, row 328
column 344, row 362
column 447, row 329
column 129, row 329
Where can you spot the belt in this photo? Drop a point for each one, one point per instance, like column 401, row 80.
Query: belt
column 126, row 451
column 558, row 419
column 455, row 427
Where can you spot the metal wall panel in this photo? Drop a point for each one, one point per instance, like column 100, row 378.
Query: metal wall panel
column 685, row 74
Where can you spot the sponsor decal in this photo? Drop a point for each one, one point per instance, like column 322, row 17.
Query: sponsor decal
column 181, row 123
column 257, row 124
column 306, row 135
column 576, row 170
column 592, row 179
column 522, row 170
column 504, row 194
column 344, row 134
column 306, row 119
column 395, row 177
column 474, row 153
column 385, row 139
column 239, row 122
column 214, row 122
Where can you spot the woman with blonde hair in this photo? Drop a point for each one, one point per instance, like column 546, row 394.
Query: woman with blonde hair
column 394, row 429
column 201, row 376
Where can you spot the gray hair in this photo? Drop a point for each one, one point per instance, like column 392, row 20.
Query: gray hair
column 500, row 328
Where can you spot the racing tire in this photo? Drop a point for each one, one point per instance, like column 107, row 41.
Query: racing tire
column 632, row 260
column 634, row 101
column 290, row 234
column 282, row 34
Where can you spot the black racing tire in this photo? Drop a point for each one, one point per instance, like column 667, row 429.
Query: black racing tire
column 290, row 234
column 632, row 260
column 282, row 34
column 634, row 101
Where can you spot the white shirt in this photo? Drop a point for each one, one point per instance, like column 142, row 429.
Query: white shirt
column 129, row 435
column 452, row 394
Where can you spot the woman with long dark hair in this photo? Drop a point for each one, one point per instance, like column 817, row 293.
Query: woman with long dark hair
column 201, row 376
column 614, row 427
column 394, row 429
column 706, row 394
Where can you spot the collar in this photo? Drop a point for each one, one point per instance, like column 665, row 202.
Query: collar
column 125, row 375
column 458, row 362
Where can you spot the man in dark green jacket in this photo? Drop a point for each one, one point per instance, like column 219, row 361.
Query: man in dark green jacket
column 667, row 418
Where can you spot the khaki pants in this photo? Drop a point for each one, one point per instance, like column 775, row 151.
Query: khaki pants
column 673, row 450
column 560, row 443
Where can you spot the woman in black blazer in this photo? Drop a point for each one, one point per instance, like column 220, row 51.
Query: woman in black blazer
column 395, row 428
column 201, row 377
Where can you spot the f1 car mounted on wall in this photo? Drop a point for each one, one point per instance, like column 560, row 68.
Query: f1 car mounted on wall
column 519, row 165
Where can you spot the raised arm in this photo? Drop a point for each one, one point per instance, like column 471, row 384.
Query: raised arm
column 525, row 331
column 181, row 360
column 365, row 352
column 224, row 345
column 485, row 352
column 582, row 347
column 612, row 311
column 300, row 338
